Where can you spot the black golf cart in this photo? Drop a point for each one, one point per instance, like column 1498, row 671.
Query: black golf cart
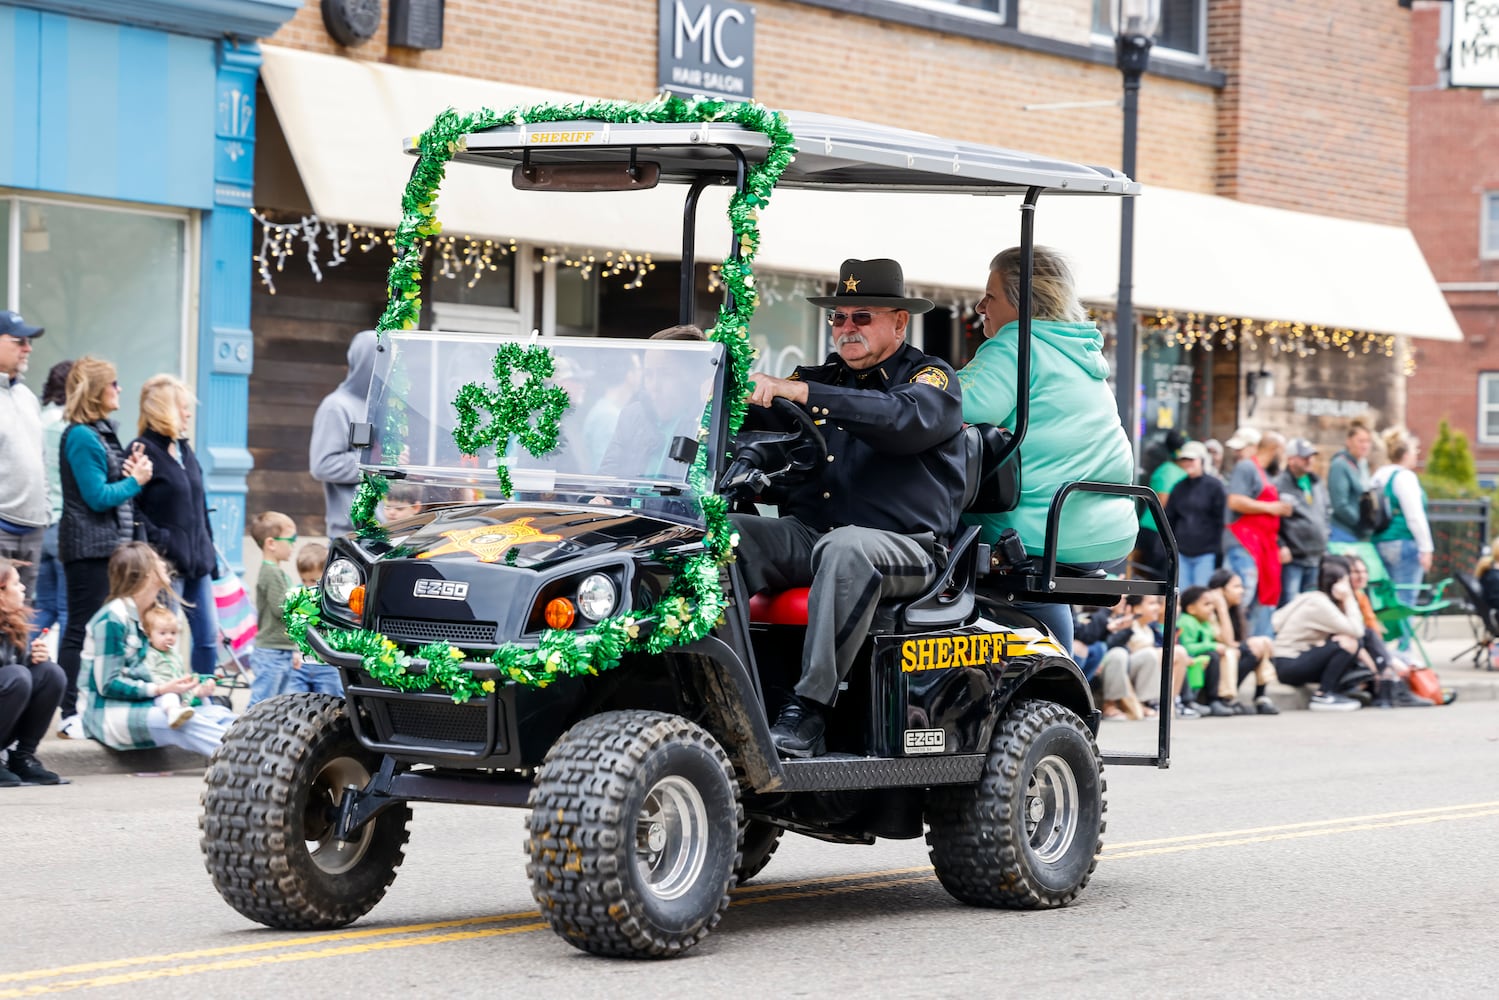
column 653, row 786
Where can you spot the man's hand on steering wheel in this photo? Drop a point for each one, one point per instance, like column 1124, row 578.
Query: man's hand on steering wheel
column 764, row 458
column 767, row 388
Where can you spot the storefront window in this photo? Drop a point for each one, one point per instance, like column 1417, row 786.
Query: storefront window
column 786, row 330
column 1183, row 29
column 1176, row 389
column 103, row 281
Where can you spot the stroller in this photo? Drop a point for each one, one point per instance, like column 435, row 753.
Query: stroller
column 237, row 628
column 1485, row 620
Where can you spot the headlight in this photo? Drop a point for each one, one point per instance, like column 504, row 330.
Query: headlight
column 340, row 579
column 597, row 596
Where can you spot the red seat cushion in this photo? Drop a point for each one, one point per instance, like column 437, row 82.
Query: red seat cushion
column 789, row 607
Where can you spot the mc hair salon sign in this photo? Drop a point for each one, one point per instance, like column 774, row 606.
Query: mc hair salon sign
column 1475, row 43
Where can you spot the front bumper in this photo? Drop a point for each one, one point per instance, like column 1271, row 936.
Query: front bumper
column 429, row 727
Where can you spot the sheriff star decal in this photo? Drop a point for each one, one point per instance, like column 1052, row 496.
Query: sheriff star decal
column 931, row 375
column 490, row 541
column 850, row 284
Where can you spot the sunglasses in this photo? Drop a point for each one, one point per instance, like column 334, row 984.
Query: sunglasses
column 863, row 317
column 289, row 541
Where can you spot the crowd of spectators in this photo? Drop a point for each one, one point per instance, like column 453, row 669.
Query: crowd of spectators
column 1273, row 578
column 106, row 550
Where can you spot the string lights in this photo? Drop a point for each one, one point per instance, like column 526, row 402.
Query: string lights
column 468, row 258
column 1206, row 332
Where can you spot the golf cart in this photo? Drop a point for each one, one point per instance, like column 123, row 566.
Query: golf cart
column 549, row 633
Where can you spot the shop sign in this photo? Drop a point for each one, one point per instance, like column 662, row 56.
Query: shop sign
column 1474, row 57
column 707, row 47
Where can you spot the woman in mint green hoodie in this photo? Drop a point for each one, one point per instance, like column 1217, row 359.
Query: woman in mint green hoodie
column 1074, row 431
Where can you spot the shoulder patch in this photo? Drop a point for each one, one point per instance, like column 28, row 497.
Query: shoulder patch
column 931, row 375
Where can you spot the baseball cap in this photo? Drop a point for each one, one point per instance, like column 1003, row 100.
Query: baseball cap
column 1301, row 448
column 1193, row 449
column 1244, row 437
column 13, row 325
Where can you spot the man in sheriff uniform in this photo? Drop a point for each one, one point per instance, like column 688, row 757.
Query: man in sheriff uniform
column 873, row 522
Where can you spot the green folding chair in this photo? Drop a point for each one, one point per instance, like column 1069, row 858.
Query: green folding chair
column 1394, row 614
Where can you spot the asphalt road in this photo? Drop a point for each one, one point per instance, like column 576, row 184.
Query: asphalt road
column 1306, row 855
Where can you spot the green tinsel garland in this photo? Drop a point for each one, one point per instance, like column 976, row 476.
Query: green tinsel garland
column 695, row 601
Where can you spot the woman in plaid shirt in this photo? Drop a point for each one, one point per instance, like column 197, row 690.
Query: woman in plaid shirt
column 118, row 688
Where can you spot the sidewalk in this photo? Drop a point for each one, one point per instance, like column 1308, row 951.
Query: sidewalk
column 1448, row 638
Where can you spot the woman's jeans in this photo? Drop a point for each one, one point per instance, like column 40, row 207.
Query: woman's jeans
column 51, row 597
column 203, row 619
column 1402, row 560
column 1195, row 571
column 29, row 694
column 1323, row 664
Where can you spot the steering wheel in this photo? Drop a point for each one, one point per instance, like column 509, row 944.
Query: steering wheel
column 765, row 458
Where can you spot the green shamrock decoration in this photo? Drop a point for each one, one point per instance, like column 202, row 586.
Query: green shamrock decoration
column 511, row 407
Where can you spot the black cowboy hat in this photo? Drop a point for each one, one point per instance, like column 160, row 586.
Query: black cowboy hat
column 871, row 283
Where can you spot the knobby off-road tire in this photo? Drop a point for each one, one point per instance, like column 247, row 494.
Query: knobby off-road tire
column 635, row 823
column 758, row 840
column 1027, row 835
column 269, row 801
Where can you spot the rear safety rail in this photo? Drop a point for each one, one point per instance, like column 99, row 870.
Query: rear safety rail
column 1039, row 580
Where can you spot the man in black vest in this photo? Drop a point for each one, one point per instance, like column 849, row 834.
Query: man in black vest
column 873, row 522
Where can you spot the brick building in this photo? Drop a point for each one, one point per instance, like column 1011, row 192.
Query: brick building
column 1256, row 178
column 1454, row 210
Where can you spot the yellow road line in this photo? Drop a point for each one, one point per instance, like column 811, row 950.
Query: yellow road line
column 355, row 935
column 829, row 885
column 239, row 949
column 1297, row 835
column 143, row 975
column 1110, row 849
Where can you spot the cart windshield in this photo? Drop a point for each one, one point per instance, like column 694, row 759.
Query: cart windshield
column 640, row 413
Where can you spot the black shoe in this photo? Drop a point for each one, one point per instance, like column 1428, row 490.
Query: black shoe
column 7, row 778
column 1238, row 707
column 1216, row 709
column 30, row 770
column 1264, row 706
column 1385, row 698
column 799, row 729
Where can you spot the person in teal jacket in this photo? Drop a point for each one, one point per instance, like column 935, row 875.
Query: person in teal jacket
column 1074, row 431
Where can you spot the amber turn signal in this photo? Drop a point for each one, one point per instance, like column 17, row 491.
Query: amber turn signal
column 560, row 613
column 356, row 600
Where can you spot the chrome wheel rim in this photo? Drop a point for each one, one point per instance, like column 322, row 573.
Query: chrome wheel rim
column 671, row 838
column 1051, row 809
column 331, row 855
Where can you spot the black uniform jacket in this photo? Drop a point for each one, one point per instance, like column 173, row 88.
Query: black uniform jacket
column 893, row 438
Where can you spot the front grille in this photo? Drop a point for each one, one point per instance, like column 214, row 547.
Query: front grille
column 416, row 723
column 423, row 630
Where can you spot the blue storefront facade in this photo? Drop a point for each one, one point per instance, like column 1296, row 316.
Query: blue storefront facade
column 126, row 180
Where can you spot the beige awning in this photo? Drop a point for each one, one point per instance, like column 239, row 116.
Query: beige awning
column 344, row 120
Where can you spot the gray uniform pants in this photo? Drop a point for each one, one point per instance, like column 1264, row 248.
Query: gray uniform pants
column 849, row 570
column 26, row 551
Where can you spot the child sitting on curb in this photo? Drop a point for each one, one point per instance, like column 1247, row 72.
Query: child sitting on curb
column 165, row 665
column 1197, row 634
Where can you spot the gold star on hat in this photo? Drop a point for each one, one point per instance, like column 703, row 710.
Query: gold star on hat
column 851, row 284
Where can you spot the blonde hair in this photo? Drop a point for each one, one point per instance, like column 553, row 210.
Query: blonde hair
column 1053, row 290
column 90, row 378
column 162, row 397
column 268, row 524
column 132, row 567
column 156, row 611
column 1397, row 442
column 1490, row 558
column 311, row 557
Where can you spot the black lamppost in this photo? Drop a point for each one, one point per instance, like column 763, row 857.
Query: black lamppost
column 1134, row 23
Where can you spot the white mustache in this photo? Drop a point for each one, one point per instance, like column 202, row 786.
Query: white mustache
column 850, row 338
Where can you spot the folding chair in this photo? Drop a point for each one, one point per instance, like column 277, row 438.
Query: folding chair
column 1485, row 621
column 1393, row 613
